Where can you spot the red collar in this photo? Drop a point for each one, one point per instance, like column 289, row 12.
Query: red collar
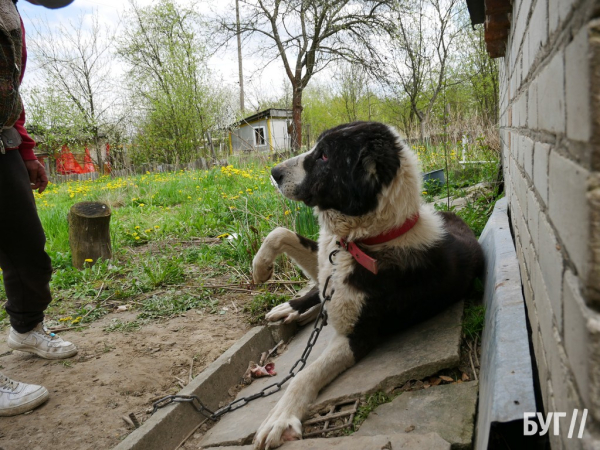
column 365, row 260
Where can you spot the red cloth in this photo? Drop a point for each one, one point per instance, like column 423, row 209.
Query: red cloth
column 88, row 164
column 26, row 147
column 66, row 163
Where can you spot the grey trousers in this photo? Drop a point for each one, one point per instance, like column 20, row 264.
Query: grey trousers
column 26, row 266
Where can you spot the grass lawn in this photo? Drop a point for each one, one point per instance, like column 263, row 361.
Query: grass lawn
column 177, row 237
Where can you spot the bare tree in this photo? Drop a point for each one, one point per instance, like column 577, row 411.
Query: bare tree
column 353, row 89
column 307, row 35
column 76, row 60
column 421, row 51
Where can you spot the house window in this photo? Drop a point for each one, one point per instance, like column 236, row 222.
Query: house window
column 259, row 136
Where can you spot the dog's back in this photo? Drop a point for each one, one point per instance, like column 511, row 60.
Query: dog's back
column 417, row 285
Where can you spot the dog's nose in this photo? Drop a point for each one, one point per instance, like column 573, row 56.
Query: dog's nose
column 277, row 173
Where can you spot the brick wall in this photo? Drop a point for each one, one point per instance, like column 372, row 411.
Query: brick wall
column 550, row 135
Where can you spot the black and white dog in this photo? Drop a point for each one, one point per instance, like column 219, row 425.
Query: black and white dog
column 399, row 261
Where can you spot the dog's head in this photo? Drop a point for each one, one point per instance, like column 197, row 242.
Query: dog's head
column 345, row 171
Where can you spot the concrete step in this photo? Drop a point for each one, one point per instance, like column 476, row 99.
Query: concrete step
column 414, row 354
column 448, row 410
column 430, row 441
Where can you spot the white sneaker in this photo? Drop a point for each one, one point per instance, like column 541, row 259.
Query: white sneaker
column 18, row 398
column 42, row 343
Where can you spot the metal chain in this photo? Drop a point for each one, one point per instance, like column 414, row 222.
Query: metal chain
column 269, row 390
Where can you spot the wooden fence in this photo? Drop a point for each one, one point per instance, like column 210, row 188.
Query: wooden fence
column 199, row 164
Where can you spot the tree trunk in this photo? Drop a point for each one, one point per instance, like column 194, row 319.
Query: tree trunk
column 211, row 145
column 296, row 119
column 239, row 49
column 89, row 233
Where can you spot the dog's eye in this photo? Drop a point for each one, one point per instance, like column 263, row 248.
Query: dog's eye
column 324, row 157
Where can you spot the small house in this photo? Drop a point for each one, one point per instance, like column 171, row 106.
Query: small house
column 265, row 131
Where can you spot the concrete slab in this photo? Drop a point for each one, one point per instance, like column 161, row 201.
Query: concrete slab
column 506, row 376
column 169, row 425
column 430, row 441
column 419, row 352
column 448, row 410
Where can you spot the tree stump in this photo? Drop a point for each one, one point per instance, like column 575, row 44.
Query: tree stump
column 89, row 233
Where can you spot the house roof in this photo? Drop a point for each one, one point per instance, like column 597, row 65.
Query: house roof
column 267, row 113
column 496, row 17
column 476, row 11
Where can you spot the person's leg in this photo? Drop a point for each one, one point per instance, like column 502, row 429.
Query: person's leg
column 25, row 265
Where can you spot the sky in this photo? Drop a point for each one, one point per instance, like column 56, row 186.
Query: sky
column 110, row 12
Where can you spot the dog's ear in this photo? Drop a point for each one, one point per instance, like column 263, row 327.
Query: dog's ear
column 379, row 160
column 369, row 165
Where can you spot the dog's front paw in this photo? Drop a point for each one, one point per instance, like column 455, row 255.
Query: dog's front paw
column 261, row 270
column 276, row 429
column 283, row 311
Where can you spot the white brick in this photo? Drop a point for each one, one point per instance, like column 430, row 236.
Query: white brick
column 519, row 28
column 513, row 85
column 527, row 155
column 568, row 208
column 532, row 106
column 542, row 364
column 541, row 155
column 543, row 340
column 528, row 251
column 558, row 369
column 527, row 291
column 582, row 343
column 532, row 314
column 551, row 265
column 576, row 334
column 538, row 28
column 558, row 10
column 533, row 218
column 521, row 189
column 543, row 306
column 551, row 96
column 516, row 149
column 527, row 58
column 521, row 108
column 518, row 73
column 577, row 81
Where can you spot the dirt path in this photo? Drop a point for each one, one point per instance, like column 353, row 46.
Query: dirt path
column 113, row 375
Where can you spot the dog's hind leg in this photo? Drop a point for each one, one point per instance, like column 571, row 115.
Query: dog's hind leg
column 284, row 422
column 301, row 310
column 303, row 252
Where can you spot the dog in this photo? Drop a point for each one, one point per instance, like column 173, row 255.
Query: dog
column 389, row 260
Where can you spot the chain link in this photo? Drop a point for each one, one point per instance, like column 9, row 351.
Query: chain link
column 272, row 388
